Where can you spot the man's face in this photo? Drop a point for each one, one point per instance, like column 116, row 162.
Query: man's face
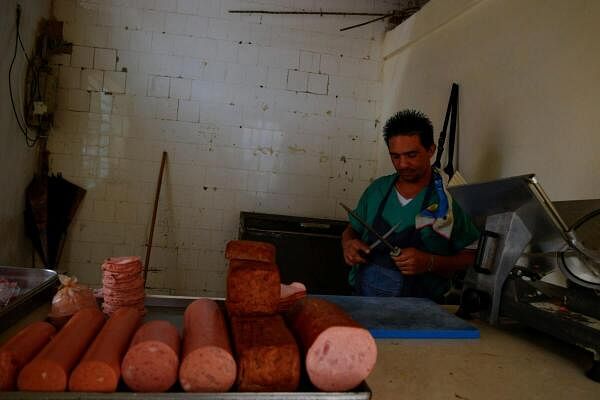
column 410, row 158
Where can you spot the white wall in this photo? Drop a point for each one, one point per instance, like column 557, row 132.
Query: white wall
column 17, row 161
column 529, row 75
column 274, row 114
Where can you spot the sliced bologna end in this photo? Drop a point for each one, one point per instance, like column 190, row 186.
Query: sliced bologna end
column 150, row 366
column 42, row 375
column 341, row 358
column 93, row 376
column 208, row 369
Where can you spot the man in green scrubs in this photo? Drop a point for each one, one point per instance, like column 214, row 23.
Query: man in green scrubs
column 430, row 227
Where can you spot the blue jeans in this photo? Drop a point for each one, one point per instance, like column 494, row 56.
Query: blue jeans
column 377, row 281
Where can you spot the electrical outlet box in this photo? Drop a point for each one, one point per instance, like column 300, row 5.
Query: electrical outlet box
column 39, row 108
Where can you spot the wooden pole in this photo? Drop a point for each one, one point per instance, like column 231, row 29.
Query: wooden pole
column 154, row 211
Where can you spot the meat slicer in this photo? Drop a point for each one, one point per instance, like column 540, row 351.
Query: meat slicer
column 525, row 241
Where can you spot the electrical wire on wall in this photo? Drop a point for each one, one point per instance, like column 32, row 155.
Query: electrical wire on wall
column 34, row 87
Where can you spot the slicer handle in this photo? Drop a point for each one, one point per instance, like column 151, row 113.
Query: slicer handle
column 486, row 252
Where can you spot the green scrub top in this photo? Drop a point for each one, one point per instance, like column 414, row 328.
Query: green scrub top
column 463, row 231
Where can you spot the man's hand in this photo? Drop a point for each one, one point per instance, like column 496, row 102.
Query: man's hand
column 352, row 251
column 412, row 261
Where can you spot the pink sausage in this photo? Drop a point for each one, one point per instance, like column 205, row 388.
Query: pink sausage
column 152, row 360
column 339, row 353
column 20, row 349
column 208, row 364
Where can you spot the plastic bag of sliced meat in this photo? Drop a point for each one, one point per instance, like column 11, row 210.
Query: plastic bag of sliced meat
column 70, row 298
column 8, row 291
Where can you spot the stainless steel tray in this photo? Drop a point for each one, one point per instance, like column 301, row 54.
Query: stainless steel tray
column 171, row 308
column 36, row 287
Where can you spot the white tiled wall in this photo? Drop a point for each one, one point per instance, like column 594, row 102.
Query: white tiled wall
column 265, row 113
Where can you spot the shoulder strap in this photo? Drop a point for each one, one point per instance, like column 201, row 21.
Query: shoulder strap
column 452, row 116
column 385, row 197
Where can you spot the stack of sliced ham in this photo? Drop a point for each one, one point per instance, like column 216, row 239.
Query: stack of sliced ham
column 123, row 284
column 290, row 294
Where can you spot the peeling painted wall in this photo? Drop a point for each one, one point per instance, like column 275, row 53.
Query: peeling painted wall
column 17, row 162
column 529, row 75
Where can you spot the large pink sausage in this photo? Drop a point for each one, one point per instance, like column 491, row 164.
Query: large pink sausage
column 339, row 353
column 99, row 370
column 152, row 360
column 49, row 370
column 20, row 349
column 208, row 364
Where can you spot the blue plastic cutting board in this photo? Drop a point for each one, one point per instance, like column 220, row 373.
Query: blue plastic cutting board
column 404, row 318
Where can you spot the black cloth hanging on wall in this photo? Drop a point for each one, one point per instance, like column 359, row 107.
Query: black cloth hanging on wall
column 451, row 116
column 51, row 204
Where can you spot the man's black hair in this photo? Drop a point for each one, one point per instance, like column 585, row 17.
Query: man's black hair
column 407, row 123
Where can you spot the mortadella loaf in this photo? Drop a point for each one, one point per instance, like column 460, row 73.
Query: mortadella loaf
column 151, row 363
column 339, row 353
column 207, row 361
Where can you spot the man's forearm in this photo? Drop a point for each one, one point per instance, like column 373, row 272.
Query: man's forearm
column 354, row 249
column 349, row 234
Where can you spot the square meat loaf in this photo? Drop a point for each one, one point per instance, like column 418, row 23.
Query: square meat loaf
column 250, row 250
column 267, row 354
column 253, row 288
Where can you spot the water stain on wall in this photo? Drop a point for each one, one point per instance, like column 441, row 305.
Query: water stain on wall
column 264, row 150
column 296, row 149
